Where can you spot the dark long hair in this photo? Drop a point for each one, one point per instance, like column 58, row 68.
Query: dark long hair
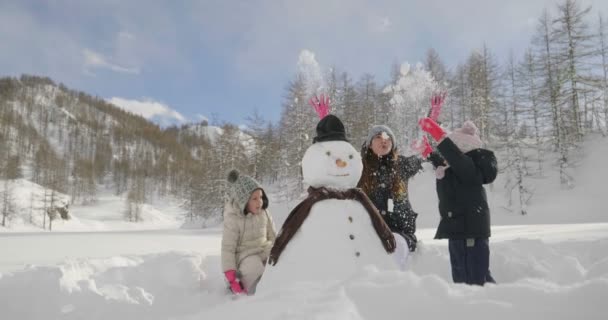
column 371, row 163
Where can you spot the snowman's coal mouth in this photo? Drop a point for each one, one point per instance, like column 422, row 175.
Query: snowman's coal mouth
column 340, row 175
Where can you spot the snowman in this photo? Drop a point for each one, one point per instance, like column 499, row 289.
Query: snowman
column 336, row 230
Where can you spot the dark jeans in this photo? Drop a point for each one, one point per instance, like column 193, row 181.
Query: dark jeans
column 470, row 261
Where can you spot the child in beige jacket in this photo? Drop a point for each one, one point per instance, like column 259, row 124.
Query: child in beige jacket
column 248, row 234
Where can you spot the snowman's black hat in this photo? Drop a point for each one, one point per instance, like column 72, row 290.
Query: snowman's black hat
column 330, row 128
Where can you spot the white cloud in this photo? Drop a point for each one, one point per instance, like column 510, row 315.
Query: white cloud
column 151, row 110
column 94, row 59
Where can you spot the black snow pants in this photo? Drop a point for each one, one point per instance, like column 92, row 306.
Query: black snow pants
column 470, row 260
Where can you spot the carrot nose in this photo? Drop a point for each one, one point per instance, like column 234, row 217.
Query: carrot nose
column 341, row 164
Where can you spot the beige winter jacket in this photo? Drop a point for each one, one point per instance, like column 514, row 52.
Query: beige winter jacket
column 245, row 235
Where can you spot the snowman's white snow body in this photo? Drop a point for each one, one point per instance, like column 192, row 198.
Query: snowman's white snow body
column 337, row 238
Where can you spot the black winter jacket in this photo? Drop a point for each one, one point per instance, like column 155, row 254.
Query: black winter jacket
column 463, row 204
column 402, row 218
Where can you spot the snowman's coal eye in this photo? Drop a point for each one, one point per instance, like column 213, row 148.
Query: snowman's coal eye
column 351, row 156
column 328, row 153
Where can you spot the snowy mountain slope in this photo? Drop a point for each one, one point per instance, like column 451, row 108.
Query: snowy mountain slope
column 213, row 134
column 87, row 148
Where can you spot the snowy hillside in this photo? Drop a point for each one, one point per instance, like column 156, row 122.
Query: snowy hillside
column 107, row 213
column 30, row 201
column 101, row 157
column 213, row 134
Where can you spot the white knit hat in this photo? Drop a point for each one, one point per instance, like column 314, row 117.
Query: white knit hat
column 379, row 129
column 467, row 137
column 240, row 188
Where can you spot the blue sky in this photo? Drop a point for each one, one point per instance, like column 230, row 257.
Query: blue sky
column 180, row 60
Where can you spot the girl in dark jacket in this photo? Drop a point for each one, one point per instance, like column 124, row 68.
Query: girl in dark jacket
column 462, row 168
column 385, row 181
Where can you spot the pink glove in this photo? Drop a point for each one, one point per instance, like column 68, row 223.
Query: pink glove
column 430, row 126
column 235, row 286
column 321, row 106
column 423, row 147
column 436, row 104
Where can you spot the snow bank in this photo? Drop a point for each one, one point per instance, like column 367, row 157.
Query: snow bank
column 560, row 280
column 131, row 287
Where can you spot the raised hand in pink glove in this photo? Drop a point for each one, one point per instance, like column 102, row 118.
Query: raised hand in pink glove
column 321, row 105
column 436, row 104
column 422, row 147
column 235, row 285
column 431, row 127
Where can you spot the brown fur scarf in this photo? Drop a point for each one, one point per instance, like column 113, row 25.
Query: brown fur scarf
column 301, row 211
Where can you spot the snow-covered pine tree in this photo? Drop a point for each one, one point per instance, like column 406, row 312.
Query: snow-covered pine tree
column 297, row 127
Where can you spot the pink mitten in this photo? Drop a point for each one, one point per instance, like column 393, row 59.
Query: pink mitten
column 235, row 286
column 422, row 147
column 430, row 126
column 436, row 104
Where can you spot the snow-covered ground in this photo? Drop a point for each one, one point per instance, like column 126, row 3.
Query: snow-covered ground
column 544, row 272
column 549, row 264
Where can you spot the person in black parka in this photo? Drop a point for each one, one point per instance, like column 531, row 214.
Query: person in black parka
column 462, row 168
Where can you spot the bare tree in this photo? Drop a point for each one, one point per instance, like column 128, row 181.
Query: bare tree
column 550, row 92
column 573, row 48
column 603, row 51
column 8, row 203
column 528, row 75
column 516, row 159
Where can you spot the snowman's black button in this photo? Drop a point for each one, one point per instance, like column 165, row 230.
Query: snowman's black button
column 350, row 219
column 357, row 253
column 352, row 237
